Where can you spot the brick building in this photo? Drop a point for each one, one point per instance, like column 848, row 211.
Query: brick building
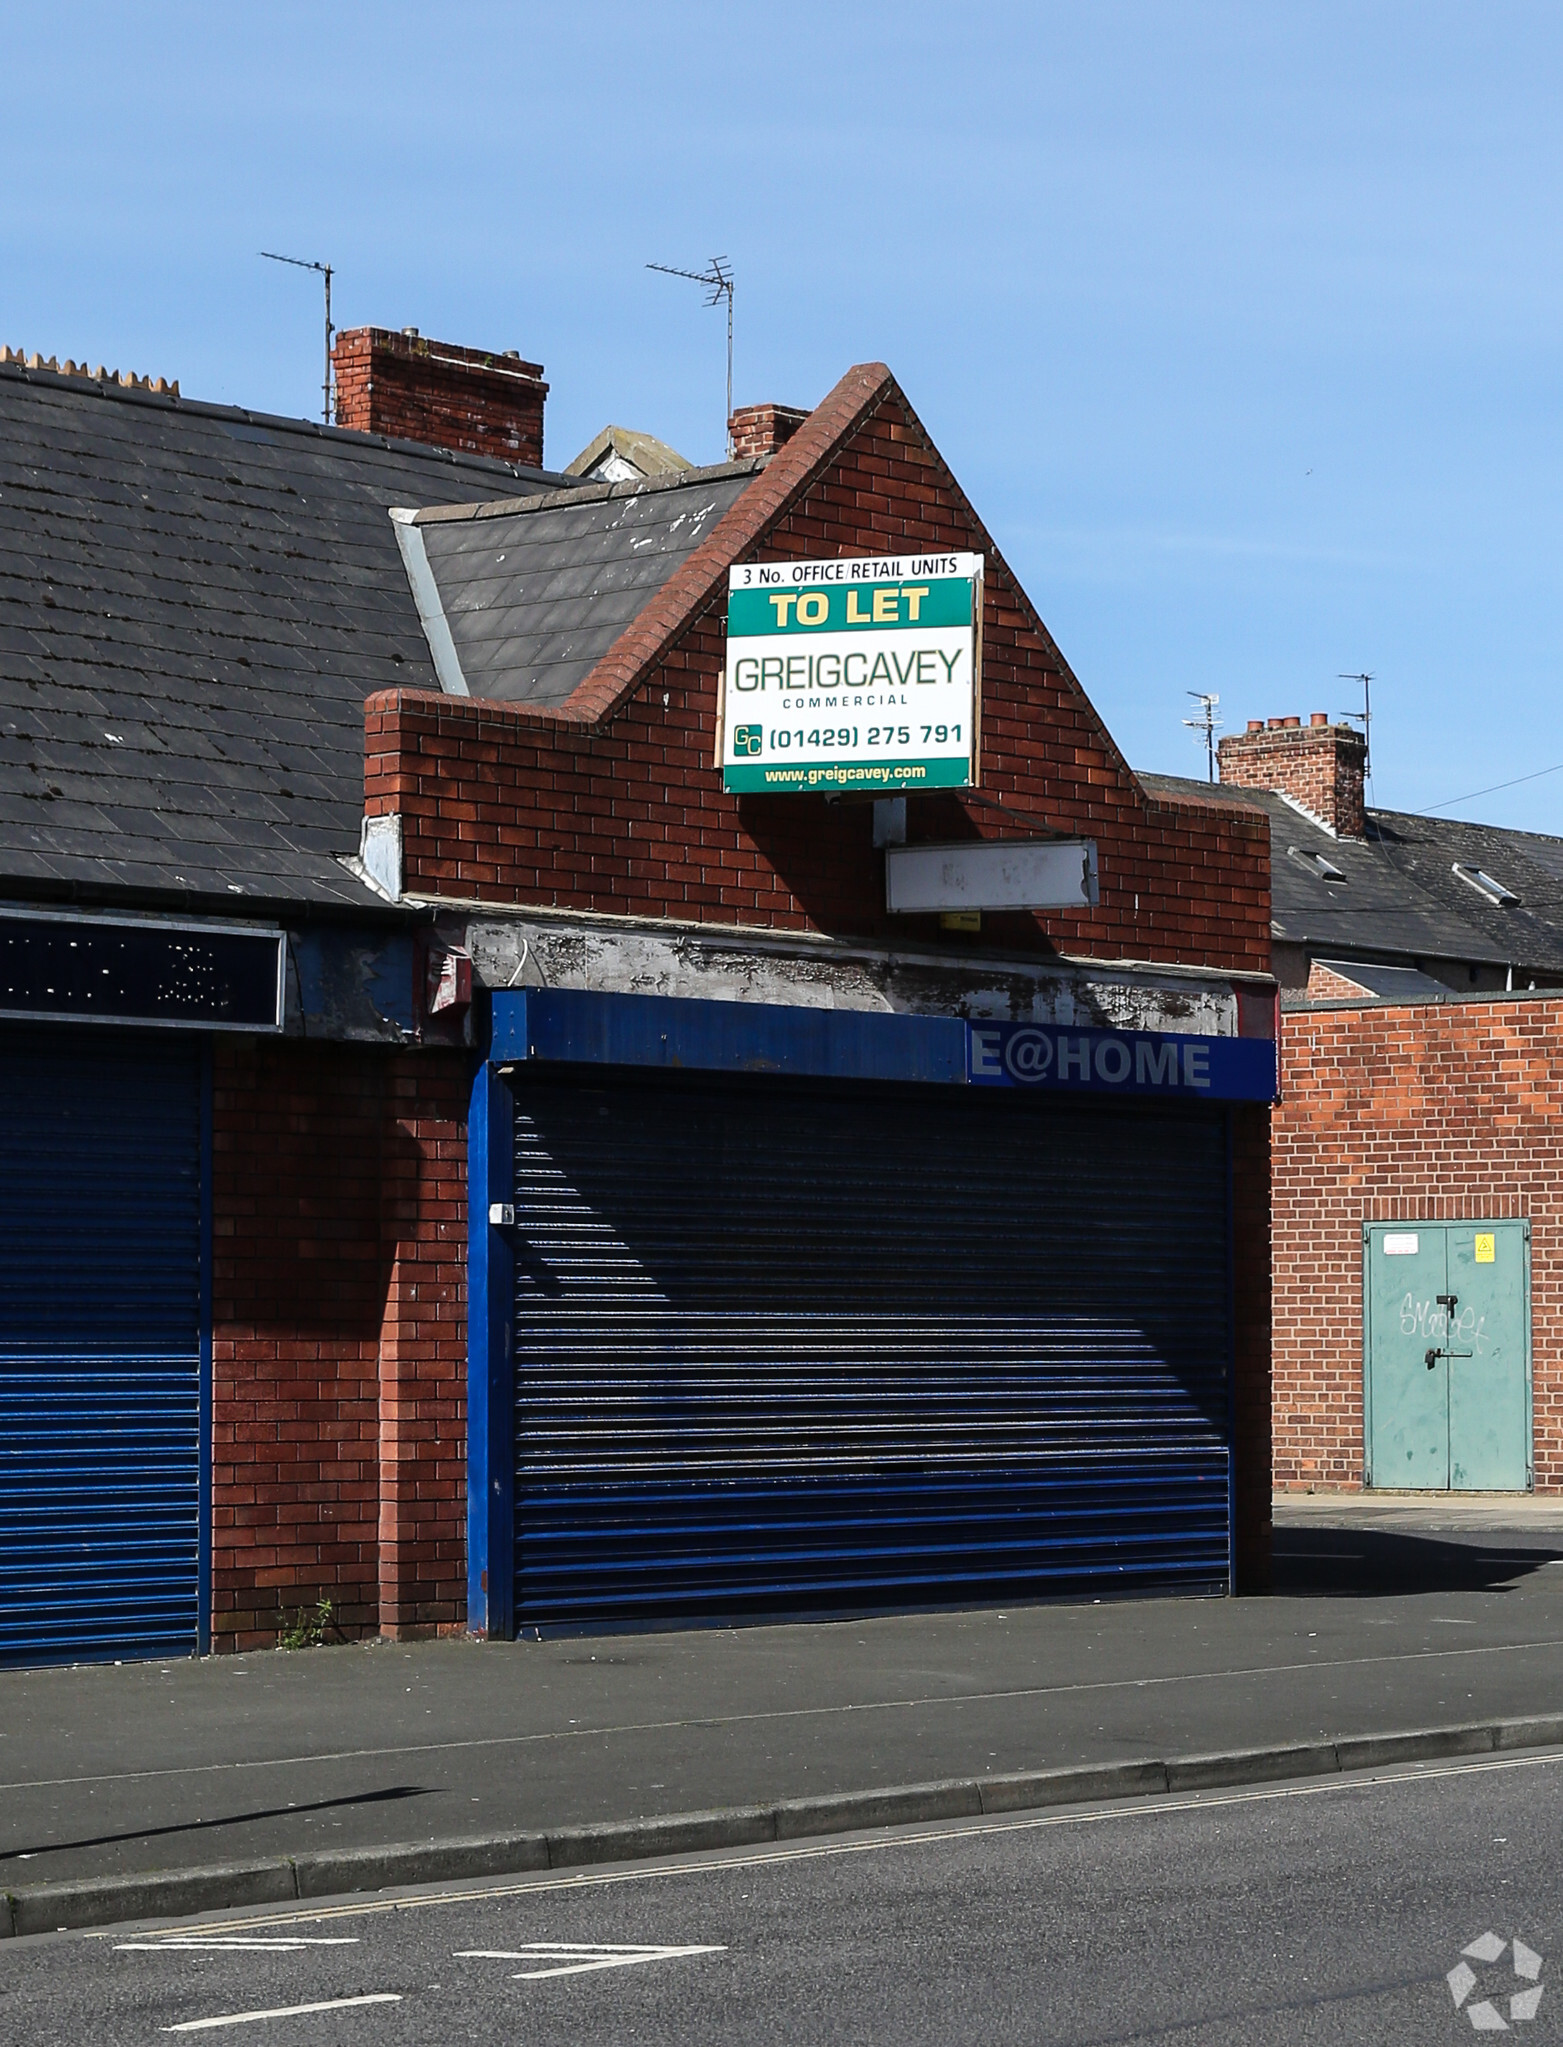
column 1418, row 1342
column 606, row 1208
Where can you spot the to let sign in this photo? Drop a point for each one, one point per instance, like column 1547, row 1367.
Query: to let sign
column 857, row 674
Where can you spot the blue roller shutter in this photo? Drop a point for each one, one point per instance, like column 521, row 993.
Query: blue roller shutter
column 100, row 1345
column 786, row 1347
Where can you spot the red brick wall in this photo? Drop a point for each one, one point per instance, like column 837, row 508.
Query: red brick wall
column 1320, row 766
column 423, row 1350
column 339, row 1339
column 629, row 817
column 474, row 401
column 1437, row 1113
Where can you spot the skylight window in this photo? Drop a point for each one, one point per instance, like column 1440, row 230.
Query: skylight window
column 1484, row 885
column 1316, row 864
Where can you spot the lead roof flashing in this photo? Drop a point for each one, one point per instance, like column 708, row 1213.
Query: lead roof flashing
column 426, row 596
column 1302, row 810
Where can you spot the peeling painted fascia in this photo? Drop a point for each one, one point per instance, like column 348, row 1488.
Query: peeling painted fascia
column 764, row 938
column 701, row 964
column 426, row 595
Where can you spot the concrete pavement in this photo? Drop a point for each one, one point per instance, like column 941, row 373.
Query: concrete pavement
column 1387, row 1615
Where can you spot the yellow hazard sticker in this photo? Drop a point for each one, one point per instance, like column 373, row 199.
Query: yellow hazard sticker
column 1486, row 1247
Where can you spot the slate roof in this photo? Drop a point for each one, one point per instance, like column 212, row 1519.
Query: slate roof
column 194, row 603
column 1401, row 899
column 535, row 593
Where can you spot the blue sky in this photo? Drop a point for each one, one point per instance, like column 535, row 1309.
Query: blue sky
column 1240, row 324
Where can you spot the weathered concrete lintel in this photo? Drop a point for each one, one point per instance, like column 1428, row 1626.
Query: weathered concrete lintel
column 524, row 950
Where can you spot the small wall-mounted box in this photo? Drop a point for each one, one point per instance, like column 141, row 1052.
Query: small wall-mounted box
column 992, row 874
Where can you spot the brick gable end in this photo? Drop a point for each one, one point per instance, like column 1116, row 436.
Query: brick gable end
column 613, row 803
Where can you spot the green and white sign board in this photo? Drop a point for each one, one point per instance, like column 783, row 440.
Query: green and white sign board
column 854, row 674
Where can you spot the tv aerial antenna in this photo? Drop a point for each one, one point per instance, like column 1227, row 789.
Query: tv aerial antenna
column 717, row 278
column 1206, row 724
column 1364, row 718
column 324, row 269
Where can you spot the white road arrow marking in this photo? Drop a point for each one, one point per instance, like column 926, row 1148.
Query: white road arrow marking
column 282, row 2011
column 577, row 1958
column 206, row 1947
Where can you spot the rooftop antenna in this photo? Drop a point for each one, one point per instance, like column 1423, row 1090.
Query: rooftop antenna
column 717, row 278
column 1206, row 723
column 1364, row 718
column 325, row 271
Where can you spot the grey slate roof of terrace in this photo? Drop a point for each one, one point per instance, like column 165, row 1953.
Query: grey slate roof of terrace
column 1401, row 899
column 535, row 594
column 194, row 603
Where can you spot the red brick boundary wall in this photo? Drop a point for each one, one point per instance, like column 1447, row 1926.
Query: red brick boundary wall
column 1436, row 1112
column 339, row 1339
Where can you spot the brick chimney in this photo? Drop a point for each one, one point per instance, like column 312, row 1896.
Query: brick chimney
column 762, row 429
column 471, row 400
column 1318, row 765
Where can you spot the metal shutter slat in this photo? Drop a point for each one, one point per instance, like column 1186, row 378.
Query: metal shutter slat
column 788, row 1348
column 100, row 1352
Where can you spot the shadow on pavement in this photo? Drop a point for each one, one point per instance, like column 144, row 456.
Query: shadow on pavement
column 231, row 1819
column 1348, row 1562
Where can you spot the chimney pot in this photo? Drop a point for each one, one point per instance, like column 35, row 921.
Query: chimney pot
column 1276, row 724
column 1319, row 718
column 1256, row 724
column 1292, row 724
column 444, row 395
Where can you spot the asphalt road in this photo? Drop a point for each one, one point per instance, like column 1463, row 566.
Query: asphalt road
column 1287, row 1914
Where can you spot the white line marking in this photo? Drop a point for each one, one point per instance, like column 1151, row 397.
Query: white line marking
column 283, row 2011
column 591, row 1731
column 188, row 1943
column 878, row 1841
column 577, row 1958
